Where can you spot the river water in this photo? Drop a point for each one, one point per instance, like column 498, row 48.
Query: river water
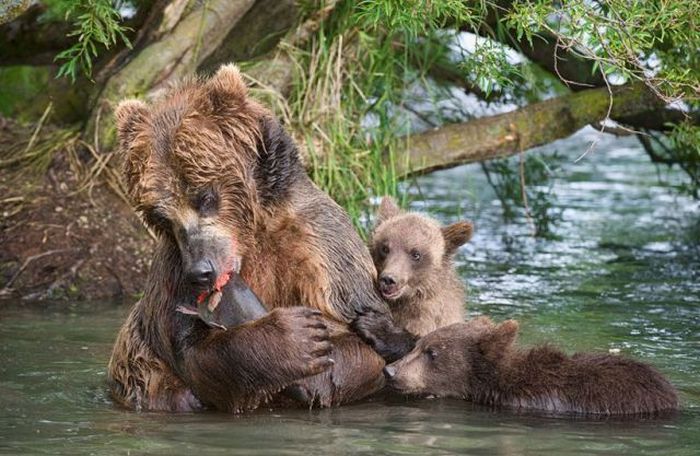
column 622, row 272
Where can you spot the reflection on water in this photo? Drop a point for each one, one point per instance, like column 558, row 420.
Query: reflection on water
column 624, row 273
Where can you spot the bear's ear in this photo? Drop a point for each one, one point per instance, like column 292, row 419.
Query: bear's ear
column 130, row 115
column 226, row 90
column 277, row 162
column 456, row 235
column 481, row 321
column 498, row 340
column 387, row 209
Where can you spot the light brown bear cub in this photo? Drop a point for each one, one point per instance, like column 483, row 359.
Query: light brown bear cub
column 478, row 361
column 414, row 255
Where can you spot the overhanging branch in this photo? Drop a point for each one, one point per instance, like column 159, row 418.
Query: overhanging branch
column 506, row 134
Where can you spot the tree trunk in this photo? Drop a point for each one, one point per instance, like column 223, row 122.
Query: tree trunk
column 256, row 34
column 174, row 55
column 506, row 134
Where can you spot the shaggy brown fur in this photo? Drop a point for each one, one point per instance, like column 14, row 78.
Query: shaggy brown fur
column 215, row 175
column 478, row 361
column 416, row 275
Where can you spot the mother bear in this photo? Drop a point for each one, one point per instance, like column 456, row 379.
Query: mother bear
column 215, row 176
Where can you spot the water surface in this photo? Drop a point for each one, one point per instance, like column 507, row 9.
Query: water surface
column 624, row 272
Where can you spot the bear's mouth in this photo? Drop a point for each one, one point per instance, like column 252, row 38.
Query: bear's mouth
column 398, row 388
column 221, row 280
column 392, row 292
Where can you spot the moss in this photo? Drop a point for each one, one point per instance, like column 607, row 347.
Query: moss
column 27, row 91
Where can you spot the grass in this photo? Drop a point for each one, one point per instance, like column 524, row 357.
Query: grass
column 338, row 112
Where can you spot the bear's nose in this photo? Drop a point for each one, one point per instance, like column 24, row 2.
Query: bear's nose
column 202, row 274
column 389, row 371
column 387, row 280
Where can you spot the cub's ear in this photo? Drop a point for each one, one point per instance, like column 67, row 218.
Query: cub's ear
column 387, row 209
column 481, row 321
column 456, row 235
column 497, row 341
column 130, row 115
column 226, row 89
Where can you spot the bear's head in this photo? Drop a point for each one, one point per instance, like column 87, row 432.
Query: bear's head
column 458, row 360
column 203, row 165
column 412, row 252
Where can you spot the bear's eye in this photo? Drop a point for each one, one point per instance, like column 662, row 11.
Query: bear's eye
column 431, row 353
column 415, row 255
column 157, row 218
column 384, row 250
column 207, row 202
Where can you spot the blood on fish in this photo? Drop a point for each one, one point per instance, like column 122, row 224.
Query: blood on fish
column 222, row 280
column 218, row 285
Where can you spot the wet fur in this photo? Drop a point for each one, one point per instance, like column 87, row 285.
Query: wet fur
column 478, row 361
column 298, row 248
column 433, row 294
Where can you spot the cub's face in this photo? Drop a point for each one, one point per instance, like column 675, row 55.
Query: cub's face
column 411, row 252
column 408, row 253
column 453, row 361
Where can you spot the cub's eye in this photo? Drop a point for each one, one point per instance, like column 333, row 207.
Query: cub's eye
column 431, row 353
column 415, row 255
column 384, row 250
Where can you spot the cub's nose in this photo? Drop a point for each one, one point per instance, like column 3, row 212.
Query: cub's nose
column 387, row 280
column 389, row 371
column 202, row 274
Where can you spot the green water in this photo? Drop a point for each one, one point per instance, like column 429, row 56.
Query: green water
column 625, row 273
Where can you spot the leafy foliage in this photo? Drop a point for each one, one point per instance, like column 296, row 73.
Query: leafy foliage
column 651, row 41
column 412, row 49
column 537, row 204
column 683, row 149
column 379, row 69
column 97, row 25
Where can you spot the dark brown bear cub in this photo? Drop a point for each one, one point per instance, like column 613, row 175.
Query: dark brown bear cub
column 416, row 275
column 478, row 361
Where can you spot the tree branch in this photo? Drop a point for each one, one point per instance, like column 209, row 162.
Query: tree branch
column 170, row 58
column 502, row 135
column 277, row 72
column 575, row 71
column 32, row 40
column 10, row 9
column 257, row 33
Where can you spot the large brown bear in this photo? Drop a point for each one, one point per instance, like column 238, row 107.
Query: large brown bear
column 216, row 177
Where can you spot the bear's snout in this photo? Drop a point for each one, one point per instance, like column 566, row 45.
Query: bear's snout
column 202, row 274
column 386, row 280
column 388, row 286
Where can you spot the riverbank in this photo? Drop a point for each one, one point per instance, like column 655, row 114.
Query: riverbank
column 64, row 233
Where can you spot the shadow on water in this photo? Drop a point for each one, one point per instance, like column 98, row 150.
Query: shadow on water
column 623, row 271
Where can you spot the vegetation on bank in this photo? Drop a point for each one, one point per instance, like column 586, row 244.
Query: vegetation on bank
column 374, row 91
column 365, row 75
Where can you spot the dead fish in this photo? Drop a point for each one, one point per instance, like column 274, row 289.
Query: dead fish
column 234, row 304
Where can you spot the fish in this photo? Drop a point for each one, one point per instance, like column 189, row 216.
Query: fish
column 227, row 306
column 233, row 304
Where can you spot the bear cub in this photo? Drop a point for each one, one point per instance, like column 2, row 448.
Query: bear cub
column 416, row 276
column 478, row 361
